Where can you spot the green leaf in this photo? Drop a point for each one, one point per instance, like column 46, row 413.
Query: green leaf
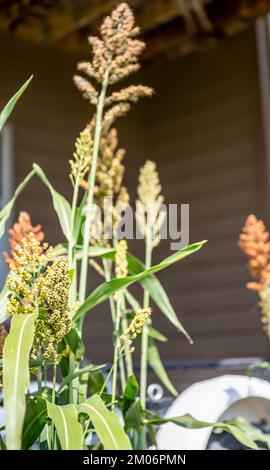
column 103, row 292
column 155, row 334
column 6, row 211
column 94, row 251
column 78, row 373
column 68, row 428
column 3, row 304
column 34, row 421
column 60, row 204
column 62, row 249
column 16, row 375
column 156, row 364
column 106, row 424
column 187, row 421
column 134, row 417
column 157, row 292
column 261, row 365
column 130, row 392
column 11, row 103
column 75, row 343
column 132, row 301
column 2, row 443
column 251, row 431
column 96, row 382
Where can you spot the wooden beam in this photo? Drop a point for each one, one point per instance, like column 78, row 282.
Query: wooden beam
column 61, row 27
column 252, row 9
column 154, row 13
column 149, row 14
column 66, row 20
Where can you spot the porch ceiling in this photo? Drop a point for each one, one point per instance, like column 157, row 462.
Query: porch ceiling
column 170, row 27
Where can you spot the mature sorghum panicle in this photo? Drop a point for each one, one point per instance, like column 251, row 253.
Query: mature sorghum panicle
column 135, row 327
column 80, row 163
column 29, row 260
column 149, row 202
column 254, row 242
column 110, row 168
column 36, row 287
column 114, row 56
column 121, row 264
column 22, row 230
column 108, row 183
column 56, row 320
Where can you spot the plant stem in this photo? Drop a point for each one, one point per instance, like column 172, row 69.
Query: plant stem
column 144, row 346
column 115, row 357
column 107, row 273
column 128, row 355
column 39, row 379
column 72, row 266
column 53, row 436
column 71, row 369
column 71, row 257
column 91, row 183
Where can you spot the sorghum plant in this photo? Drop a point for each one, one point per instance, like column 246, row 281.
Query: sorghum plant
column 45, row 295
column 254, row 241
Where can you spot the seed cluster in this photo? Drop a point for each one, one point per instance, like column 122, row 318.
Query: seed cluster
column 148, row 214
column 254, row 241
column 37, row 287
column 135, row 328
column 121, row 264
column 22, row 229
column 115, row 56
column 56, row 321
column 80, row 163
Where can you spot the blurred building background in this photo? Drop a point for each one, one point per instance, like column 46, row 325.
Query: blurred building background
column 206, row 127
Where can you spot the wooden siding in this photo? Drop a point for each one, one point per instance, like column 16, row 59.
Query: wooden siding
column 203, row 129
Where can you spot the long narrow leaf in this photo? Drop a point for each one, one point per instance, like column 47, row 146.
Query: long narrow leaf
column 102, row 292
column 34, row 422
column 157, row 293
column 188, row 421
column 6, row 211
column 93, row 251
column 68, row 428
column 78, row 373
column 11, row 103
column 156, row 364
column 60, row 204
column 106, row 424
column 16, row 375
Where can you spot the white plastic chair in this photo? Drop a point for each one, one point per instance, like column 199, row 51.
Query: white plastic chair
column 212, row 400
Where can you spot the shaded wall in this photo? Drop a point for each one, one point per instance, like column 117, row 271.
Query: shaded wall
column 203, row 129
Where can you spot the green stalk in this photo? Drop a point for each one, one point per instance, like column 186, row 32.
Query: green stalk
column 107, row 274
column 144, row 346
column 71, row 257
column 128, row 355
column 91, row 183
column 53, row 435
column 72, row 265
column 115, row 357
column 39, row 379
